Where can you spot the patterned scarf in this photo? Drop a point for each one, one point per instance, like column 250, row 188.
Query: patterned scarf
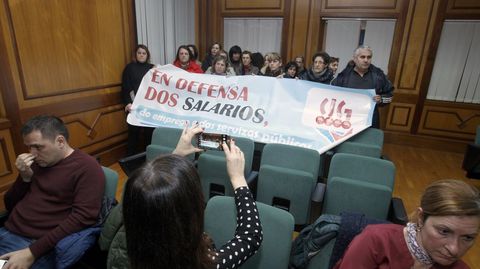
column 415, row 249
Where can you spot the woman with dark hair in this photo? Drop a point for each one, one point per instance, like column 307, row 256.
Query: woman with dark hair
column 184, row 60
column 131, row 78
column 319, row 71
column 163, row 212
column 258, row 60
column 440, row 232
column 194, row 50
column 291, row 70
column 234, row 54
column 247, row 67
column 211, row 53
column 334, row 64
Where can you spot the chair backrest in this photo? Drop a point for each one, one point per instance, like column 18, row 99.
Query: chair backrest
column 111, row 182
column 372, row 136
column 368, row 143
column 277, row 225
column 212, row 168
column 287, row 179
column 164, row 141
column 352, row 195
column 362, row 168
column 291, row 157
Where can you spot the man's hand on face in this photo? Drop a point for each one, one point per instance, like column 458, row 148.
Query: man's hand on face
column 23, row 163
column 20, row 259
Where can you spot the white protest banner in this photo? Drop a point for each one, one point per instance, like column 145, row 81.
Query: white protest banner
column 264, row 109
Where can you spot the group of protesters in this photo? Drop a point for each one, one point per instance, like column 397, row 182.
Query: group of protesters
column 359, row 73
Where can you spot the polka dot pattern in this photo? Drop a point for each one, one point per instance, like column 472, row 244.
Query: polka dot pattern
column 248, row 234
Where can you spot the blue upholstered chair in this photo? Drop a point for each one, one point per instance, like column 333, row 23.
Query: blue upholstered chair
column 369, row 142
column 164, row 141
column 287, row 178
column 277, row 226
column 212, row 168
column 359, row 184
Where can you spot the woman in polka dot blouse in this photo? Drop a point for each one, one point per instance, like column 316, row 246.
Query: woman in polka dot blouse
column 163, row 209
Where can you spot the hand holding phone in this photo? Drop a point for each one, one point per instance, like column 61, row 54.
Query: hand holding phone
column 211, row 141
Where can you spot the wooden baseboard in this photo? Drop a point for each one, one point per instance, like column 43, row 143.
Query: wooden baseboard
column 422, row 141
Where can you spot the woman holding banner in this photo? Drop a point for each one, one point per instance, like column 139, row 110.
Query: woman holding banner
column 319, row 72
column 131, row 78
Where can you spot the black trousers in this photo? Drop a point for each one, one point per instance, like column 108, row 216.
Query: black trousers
column 138, row 139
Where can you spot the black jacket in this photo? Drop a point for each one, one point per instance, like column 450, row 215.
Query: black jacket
column 383, row 86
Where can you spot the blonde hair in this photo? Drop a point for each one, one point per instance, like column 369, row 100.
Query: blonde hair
column 449, row 197
column 275, row 56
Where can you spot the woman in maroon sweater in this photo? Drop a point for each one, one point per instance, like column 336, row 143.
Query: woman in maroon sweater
column 442, row 230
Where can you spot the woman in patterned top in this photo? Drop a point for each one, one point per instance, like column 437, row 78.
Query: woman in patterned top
column 163, row 209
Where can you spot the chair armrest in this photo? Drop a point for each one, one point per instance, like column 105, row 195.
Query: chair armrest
column 253, row 176
column 252, row 180
column 472, row 157
column 130, row 163
column 397, row 213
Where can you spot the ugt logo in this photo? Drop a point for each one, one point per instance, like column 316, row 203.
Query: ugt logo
column 332, row 114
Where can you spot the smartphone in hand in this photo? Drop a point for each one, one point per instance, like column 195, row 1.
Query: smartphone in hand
column 211, row 141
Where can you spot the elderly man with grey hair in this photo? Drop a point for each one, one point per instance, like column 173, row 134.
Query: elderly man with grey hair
column 362, row 74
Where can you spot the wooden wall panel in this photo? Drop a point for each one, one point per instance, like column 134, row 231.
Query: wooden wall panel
column 463, row 7
column 376, row 6
column 415, row 44
column 8, row 172
column 267, row 5
column 97, row 129
column 452, row 122
column 66, row 58
column 304, row 24
column 79, row 51
column 400, row 117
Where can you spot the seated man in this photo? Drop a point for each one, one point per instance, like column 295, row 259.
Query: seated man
column 58, row 192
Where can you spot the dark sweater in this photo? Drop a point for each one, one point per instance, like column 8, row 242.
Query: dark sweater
column 324, row 77
column 131, row 78
column 60, row 200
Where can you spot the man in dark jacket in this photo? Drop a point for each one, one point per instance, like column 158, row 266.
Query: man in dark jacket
column 362, row 74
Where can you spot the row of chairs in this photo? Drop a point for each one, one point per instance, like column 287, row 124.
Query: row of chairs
column 286, row 179
column 288, row 175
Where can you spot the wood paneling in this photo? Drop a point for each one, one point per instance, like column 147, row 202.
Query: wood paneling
column 93, row 128
column 400, row 116
column 78, row 52
column 455, row 122
column 66, row 58
column 267, row 5
column 389, row 6
column 8, row 171
column 304, row 24
column 457, row 8
column 415, row 44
